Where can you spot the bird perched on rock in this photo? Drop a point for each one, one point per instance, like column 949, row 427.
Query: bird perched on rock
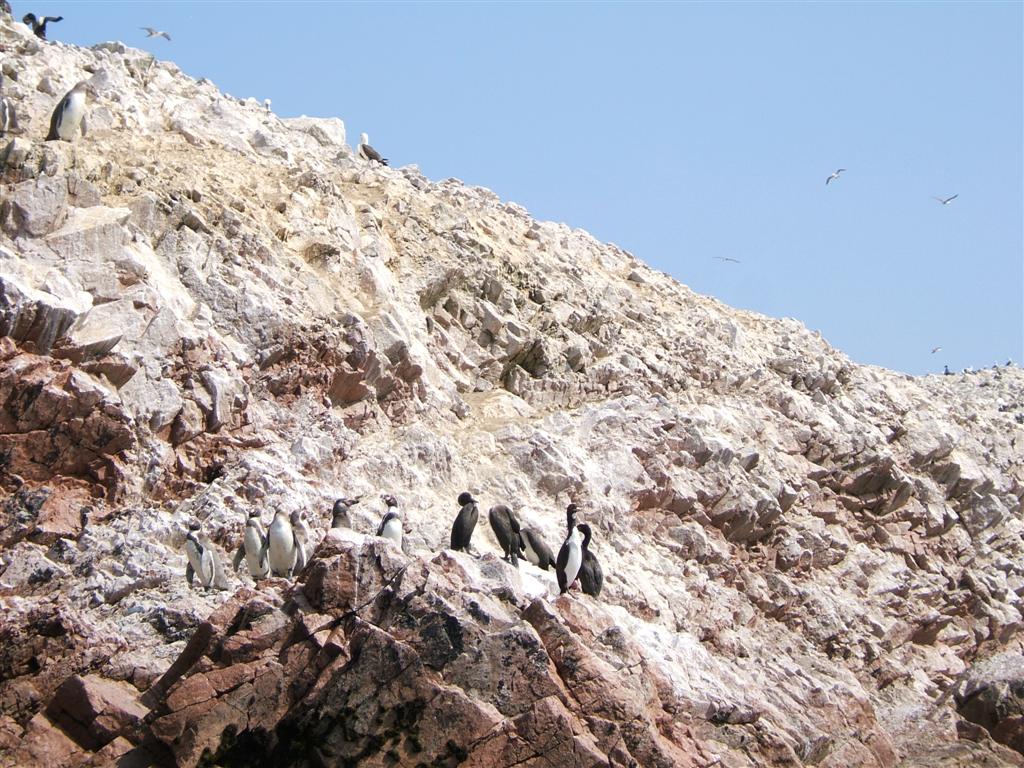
column 202, row 560
column 369, row 153
column 8, row 118
column 570, row 557
column 506, row 531
column 253, row 547
column 465, row 522
column 38, row 25
column 303, row 538
column 535, row 549
column 391, row 524
column 339, row 515
column 834, row 175
column 150, row 32
column 283, row 552
column 69, row 116
column 591, row 575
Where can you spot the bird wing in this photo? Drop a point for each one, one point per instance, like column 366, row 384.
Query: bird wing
column 51, row 18
column 82, row 125
column 954, row 197
column 55, row 118
column 380, row 528
column 165, row 36
column 189, row 573
column 371, row 153
column 236, row 561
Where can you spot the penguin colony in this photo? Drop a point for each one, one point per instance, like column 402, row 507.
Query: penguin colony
column 284, row 549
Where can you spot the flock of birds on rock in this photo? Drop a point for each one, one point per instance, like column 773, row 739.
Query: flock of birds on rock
column 285, row 547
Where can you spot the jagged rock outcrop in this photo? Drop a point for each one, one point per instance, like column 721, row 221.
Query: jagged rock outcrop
column 207, row 309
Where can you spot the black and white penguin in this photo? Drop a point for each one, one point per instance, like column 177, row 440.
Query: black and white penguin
column 69, row 116
column 253, row 547
column 391, row 524
column 203, row 562
column 570, row 557
column 462, row 528
column 369, row 153
column 303, row 539
column 38, row 25
column 506, row 531
column 339, row 515
column 535, row 549
column 8, row 118
column 281, row 549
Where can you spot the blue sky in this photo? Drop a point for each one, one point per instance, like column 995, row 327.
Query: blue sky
column 684, row 132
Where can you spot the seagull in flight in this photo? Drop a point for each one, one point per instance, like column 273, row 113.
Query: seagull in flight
column 726, row 258
column 946, row 200
column 834, row 176
column 936, row 349
column 150, row 32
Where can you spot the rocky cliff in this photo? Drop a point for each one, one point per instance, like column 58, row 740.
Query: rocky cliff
column 207, row 309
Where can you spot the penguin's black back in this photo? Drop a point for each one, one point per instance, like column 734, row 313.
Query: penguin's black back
column 591, row 575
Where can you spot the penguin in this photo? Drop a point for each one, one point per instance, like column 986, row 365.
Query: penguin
column 8, row 117
column 462, row 528
column 202, row 560
column 591, row 575
column 303, row 539
column 39, row 25
column 69, row 116
column 391, row 524
column 281, row 548
column 535, row 549
column 339, row 516
column 253, row 547
column 570, row 558
column 506, row 531
column 369, row 153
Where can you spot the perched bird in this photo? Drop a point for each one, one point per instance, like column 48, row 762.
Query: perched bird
column 462, row 528
column 506, row 530
column 39, row 25
column 391, row 524
column 726, row 258
column 339, row 515
column 8, row 118
column 303, row 538
column 202, row 560
column 535, row 550
column 936, row 349
column 253, row 547
column 369, row 153
column 570, row 558
column 69, row 116
column 946, row 200
column 266, row 104
column 946, row 371
column 281, row 549
column 150, row 32
column 834, row 175
column 591, row 574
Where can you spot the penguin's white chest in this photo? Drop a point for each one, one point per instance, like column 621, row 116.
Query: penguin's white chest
column 282, row 551
column 71, row 117
column 253, row 545
column 532, row 556
column 393, row 530
column 572, row 565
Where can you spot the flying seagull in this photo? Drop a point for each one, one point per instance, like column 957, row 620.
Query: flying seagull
column 38, row 25
column 834, row 176
column 150, row 32
column 726, row 258
column 945, row 200
column 936, row 349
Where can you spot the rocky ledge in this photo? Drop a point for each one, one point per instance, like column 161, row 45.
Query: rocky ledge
column 207, row 310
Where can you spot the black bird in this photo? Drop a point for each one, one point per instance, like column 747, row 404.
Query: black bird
column 39, row 25
column 535, row 550
column 506, row 531
column 369, row 153
column 462, row 528
column 339, row 515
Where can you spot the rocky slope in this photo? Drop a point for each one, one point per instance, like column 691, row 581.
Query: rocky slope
column 207, row 309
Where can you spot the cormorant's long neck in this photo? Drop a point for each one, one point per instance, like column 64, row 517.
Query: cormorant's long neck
column 586, row 539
